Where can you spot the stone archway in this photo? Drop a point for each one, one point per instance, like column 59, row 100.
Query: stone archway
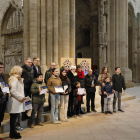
column 12, row 37
column 132, row 42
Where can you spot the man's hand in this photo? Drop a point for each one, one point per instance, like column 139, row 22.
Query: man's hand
column 66, row 93
column 123, row 91
column 113, row 91
column 92, row 85
column 4, row 93
column 103, row 84
column 77, row 93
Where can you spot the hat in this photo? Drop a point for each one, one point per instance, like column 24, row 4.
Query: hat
column 38, row 74
column 73, row 67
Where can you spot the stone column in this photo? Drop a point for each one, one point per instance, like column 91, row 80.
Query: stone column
column 55, row 32
column 33, row 28
column 65, row 29
column 112, row 35
column 72, row 28
column 49, row 32
column 26, row 33
column 43, row 36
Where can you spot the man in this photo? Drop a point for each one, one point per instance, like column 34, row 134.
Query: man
column 36, row 67
column 118, row 84
column 90, row 83
column 28, row 75
column 47, row 76
column 3, row 97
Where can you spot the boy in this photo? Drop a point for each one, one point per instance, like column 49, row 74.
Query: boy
column 118, row 84
column 77, row 99
column 107, row 90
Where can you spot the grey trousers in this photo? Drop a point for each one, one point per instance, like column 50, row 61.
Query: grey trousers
column 107, row 104
column 117, row 95
column 36, row 108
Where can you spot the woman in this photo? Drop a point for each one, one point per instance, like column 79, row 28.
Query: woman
column 53, row 81
column 64, row 97
column 15, row 104
column 73, row 77
column 101, row 80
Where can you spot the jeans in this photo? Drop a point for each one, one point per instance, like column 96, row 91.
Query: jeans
column 107, row 104
column 63, row 106
column 36, row 108
column 54, row 107
column 13, row 118
column 117, row 95
column 77, row 108
column 90, row 96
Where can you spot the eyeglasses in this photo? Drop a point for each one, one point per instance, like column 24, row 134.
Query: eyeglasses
column 29, row 62
column 1, row 67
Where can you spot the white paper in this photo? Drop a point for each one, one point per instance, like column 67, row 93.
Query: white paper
column 59, row 89
column 28, row 105
column 43, row 89
column 110, row 96
column 81, row 91
column 27, row 99
column 65, row 88
column 4, row 87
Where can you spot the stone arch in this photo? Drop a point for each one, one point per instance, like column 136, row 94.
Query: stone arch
column 12, row 36
column 132, row 41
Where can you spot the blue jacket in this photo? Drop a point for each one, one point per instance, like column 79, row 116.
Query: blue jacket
column 107, row 88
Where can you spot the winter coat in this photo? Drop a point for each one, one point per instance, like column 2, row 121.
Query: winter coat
column 69, row 87
column 53, row 81
column 118, row 82
column 16, row 95
column 47, row 75
column 108, row 88
column 35, row 70
column 28, row 75
column 81, row 76
column 88, row 83
column 36, row 98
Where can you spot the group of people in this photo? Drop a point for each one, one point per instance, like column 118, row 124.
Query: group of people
column 25, row 81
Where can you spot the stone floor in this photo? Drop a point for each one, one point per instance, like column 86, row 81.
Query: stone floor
column 118, row 126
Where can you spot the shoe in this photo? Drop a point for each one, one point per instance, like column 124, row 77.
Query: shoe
column 31, row 126
column 74, row 116
column 66, row 120
column 27, row 117
column 106, row 112
column 82, row 112
column 58, row 122
column 79, row 115
column 15, row 136
column 120, row 110
column 41, row 124
column 114, row 111
column 55, row 122
column 19, row 128
column 109, row 112
column 62, row 120
column 69, row 114
column 94, row 110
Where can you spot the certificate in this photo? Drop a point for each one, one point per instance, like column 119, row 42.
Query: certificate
column 43, row 89
column 110, row 95
column 81, row 91
column 4, row 87
column 58, row 89
column 65, row 88
column 28, row 105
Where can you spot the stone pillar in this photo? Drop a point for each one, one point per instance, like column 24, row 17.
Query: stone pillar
column 49, row 32
column 33, row 28
column 72, row 28
column 65, row 28
column 55, row 32
column 26, row 33
column 43, row 36
column 112, row 35
column 126, row 72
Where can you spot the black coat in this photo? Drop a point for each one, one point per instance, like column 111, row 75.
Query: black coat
column 118, row 82
column 35, row 70
column 88, row 83
column 28, row 75
column 47, row 75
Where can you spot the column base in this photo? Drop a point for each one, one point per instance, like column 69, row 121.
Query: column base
column 127, row 73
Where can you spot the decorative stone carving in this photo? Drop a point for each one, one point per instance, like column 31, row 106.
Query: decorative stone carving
column 106, row 7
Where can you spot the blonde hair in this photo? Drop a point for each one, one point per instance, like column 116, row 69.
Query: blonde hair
column 15, row 69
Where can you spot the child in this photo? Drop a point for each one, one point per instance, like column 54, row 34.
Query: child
column 37, row 100
column 107, row 90
column 118, row 84
column 77, row 100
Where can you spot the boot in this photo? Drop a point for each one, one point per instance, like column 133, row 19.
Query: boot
column 15, row 136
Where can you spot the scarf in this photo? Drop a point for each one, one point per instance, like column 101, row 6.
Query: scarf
column 81, row 74
column 19, row 78
column 74, row 74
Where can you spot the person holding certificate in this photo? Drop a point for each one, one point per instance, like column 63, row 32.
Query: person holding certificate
column 37, row 99
column 64, row 97
column 54, row 81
